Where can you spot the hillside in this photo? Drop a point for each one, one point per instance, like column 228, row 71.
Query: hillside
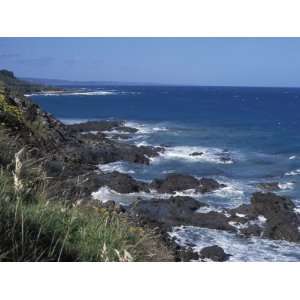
column 18, row 86
column 48, row 173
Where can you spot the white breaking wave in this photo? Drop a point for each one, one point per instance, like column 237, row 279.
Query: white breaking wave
column 286, row 186
column 292, row 157
column 241, row 249
column 212, row 155
column 119, row 166
column 73, row 121
column 208, row 209
column 293, row 173
column 82, row 93
column 145, row 128
column 105, row 194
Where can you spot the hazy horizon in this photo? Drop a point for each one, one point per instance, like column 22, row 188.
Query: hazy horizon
column 246, row 62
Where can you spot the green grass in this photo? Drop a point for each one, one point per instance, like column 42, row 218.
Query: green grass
column 34, row 229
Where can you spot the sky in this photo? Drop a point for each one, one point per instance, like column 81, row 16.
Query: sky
column 186, row 61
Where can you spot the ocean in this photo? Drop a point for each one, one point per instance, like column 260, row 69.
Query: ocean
column 246, row 136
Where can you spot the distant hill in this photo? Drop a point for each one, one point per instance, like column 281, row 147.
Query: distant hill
column 19, row 86
column 60, row 82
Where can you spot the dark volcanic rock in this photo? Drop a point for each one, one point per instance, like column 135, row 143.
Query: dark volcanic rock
column 151, row 151
column 196, row 154
column 175, row 182
column 179, row 182
column 271, row 205
column 168, row 212
column 214, row 253
column 211, row 220
column 177, row 211
column 120, row 136
column 282, row 221
column 83, row 185
column 121, row 183
column 187, row 254
column 100, row 126
column 209, row 185
column 244, row 209
column 251, row 230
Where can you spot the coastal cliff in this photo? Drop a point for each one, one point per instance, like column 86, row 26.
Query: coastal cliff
column 47, row 176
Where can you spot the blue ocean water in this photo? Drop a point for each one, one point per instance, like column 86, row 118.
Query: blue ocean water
column 255, row 129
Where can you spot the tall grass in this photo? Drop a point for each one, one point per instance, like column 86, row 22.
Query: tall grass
column 35, row 229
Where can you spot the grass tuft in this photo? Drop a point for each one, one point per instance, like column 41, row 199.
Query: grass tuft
column 34, row 229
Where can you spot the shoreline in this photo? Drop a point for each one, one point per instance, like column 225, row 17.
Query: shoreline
column 69, row 156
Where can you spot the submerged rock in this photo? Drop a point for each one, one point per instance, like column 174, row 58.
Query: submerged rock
column 214, row 253
column 196, row 154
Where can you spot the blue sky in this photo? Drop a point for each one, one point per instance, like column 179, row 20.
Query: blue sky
column 194, row 61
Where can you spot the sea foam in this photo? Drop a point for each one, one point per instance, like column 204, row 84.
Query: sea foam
column 240, row 248
column 211, row 155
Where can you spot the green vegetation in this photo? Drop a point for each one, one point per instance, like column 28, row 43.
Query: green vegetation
column 33, row 228
column 8, row 79
column 13, row 111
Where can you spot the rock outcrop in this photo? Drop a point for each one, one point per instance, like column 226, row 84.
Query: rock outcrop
column 179, row 182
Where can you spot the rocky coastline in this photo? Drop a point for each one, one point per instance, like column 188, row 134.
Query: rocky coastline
column 70, row 154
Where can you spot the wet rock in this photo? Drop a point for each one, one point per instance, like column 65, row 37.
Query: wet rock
column 83, row 186
column 271, row 205
column 211, row 220
column 92, row 137
column 282, row 221
column 251, row 230
column 196, row 154
column 120, row 136
column 282, row 229
column 177, row 211
column 224, row 156
column 269, row 186
column 167, row 212
column 100, row 126
column 214, row 253
column 174, row 182
column 207, row 185
column 121, row 183
column 151, row 151
column 225, row 159
column 179, row 182
column 244, row 209
column 187, row 255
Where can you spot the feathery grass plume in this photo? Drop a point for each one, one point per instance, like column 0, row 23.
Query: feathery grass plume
column 17, row 173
